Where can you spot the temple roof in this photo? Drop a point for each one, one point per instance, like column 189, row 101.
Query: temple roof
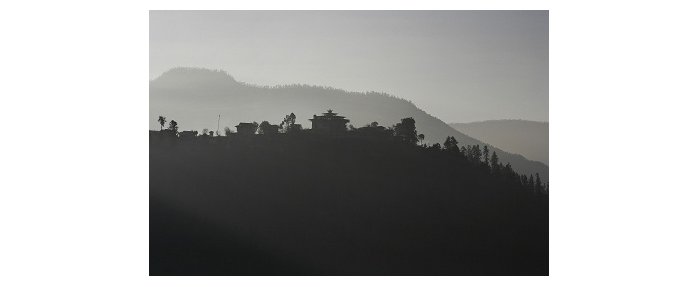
column 329, row 116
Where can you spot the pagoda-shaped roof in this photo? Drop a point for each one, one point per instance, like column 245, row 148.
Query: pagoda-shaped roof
column 329, row 115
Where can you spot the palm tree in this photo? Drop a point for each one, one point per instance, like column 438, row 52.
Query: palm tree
column 162, row 120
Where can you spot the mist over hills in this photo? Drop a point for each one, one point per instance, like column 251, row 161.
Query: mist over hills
column 528, row 138
column 194, row 97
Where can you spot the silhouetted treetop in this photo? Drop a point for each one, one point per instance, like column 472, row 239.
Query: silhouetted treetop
column 173, row 126
column 162, row 120
column 266, row 128
column 451, row 145
column 406, row 130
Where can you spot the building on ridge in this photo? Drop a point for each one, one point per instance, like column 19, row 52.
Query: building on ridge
column 246, row 128
column 329, row 122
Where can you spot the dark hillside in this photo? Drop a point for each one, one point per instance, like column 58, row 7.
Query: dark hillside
column 303, row 204
column 195, row 98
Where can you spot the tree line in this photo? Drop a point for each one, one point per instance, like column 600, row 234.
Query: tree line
column 405, row 131
column 474, row 154
column 287, row 125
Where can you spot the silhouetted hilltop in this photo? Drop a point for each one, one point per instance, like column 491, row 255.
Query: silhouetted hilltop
column 344, row 204
column 195, row 97
column 527, row 138
column 193, row 77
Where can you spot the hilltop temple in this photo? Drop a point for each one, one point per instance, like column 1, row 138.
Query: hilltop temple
column 329, row 122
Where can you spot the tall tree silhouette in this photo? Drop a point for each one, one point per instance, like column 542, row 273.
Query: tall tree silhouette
column 524, row 181
column 406, row 130
column 495, row 162
column 266, row 128
column 255, row 126
column 539, row 185
column 173, row 126
column 162, row 120
column 289, row 123
column 486, row 155
column 451, row 144
column 476, row 153
column 509, row 171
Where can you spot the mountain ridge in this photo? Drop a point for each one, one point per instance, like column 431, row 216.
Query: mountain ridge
column 194, row 97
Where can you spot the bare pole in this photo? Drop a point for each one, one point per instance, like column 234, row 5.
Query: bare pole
column 218, row 128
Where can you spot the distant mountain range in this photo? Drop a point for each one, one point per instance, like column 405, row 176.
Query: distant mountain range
column 195, row 97
column 527, row 138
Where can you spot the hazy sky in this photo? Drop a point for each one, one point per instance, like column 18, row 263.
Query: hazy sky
column 459, row 66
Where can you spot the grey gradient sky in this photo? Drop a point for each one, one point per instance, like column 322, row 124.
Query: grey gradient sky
column 459, row 66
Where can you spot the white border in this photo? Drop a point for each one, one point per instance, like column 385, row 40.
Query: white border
column 74, row 156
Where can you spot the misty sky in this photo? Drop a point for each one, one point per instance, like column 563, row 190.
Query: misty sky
column 459, row 66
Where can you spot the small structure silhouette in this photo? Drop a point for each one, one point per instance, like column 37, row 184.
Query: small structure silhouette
column 246, row 128
column 329, row 122
column 188, row 134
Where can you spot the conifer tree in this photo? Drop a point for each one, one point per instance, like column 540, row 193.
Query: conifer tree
column 476, row 153
column 495, row 162
column 486, row 155
column 524, row 181
column 508, row 169
column 539, row 185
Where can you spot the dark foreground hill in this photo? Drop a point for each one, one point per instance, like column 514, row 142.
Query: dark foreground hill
column 336, row 205
column 195, row 98
column 527, row 138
